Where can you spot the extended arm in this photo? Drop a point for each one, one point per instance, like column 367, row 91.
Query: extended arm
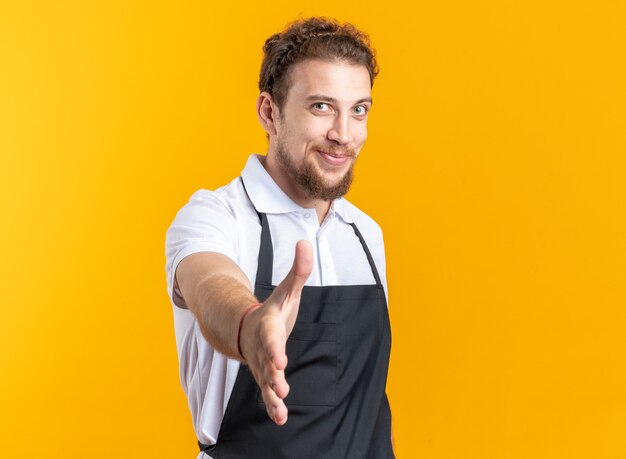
column 218, row 293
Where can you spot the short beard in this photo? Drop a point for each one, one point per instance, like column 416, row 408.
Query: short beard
column 310, row 181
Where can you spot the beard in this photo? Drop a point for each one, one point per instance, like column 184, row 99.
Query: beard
column 307, row 176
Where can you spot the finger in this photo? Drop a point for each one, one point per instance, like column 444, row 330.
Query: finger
column 276, row 380
column 280, row 413
column 281, row 386
column 273, row 386
column 275, row 407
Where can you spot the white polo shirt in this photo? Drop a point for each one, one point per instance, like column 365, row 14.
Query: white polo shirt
column 225, row 221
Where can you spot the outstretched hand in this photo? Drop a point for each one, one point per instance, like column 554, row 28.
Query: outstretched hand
column 265, row 331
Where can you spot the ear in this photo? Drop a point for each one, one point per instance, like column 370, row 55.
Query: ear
column 267, row 112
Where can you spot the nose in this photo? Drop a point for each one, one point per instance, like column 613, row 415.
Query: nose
column 339, row 132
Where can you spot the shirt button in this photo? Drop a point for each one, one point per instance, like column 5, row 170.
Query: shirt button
column 307, row 216
column 325, row 265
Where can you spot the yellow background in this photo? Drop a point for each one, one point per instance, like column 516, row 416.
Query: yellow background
column 495, row 166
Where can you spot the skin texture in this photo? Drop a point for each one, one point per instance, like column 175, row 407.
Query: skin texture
column 319, row 132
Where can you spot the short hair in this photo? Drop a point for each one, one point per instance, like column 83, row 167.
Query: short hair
column 312, row 38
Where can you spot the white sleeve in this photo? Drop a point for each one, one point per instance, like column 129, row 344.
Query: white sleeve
column 204, row 224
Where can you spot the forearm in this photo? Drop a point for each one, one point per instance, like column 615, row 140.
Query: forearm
column 218, row 302
column 218, row 292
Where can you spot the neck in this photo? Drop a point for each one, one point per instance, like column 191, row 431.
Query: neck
column 293, row 190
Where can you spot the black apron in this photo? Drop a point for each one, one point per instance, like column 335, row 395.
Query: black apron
column 338, row 356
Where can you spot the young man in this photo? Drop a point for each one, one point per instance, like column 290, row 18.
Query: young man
column 278, row 283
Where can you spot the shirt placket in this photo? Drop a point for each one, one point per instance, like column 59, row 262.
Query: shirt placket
column 328, row 273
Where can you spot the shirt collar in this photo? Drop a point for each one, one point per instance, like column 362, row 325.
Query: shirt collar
column 268, row 198
column 340, row 207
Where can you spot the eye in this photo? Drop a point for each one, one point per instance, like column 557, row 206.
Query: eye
column 361, row 110
column 321, row 106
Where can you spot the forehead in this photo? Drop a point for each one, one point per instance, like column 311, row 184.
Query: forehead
column 341, row 80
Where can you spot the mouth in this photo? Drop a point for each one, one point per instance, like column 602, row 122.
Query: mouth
column 336, row 159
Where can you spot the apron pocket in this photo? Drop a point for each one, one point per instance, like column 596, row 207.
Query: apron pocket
column 312, row 366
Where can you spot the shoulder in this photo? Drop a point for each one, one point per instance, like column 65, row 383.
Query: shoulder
column 227, row 203
column 209, row 215
column 226, row 198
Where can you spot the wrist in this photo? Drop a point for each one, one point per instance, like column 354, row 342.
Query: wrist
column 250, row 308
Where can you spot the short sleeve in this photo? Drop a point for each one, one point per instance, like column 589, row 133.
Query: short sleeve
column 204, row 224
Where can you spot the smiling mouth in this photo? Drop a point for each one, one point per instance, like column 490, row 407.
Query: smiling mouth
column 334, row 158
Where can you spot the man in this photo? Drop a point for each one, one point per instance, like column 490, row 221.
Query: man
column 284, row 353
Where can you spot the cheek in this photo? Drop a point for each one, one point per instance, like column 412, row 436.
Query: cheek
column 314, row 131
column 317, row 126
column 361, row 134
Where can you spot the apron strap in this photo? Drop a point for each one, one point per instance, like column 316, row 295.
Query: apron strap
column 266, row 254
column 370, row 259
column 265, row 267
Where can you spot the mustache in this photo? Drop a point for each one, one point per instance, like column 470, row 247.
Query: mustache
column 336, row 150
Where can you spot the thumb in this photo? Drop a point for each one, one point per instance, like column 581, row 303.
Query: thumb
column 302, row 262
column 300, row 271
column 286, row 296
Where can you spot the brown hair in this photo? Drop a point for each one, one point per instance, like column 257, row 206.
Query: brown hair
column 312, row 38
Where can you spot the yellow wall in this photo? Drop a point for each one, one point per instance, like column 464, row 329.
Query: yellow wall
column 495, row 165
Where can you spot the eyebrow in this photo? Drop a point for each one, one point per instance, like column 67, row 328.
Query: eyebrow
column 332, row 100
